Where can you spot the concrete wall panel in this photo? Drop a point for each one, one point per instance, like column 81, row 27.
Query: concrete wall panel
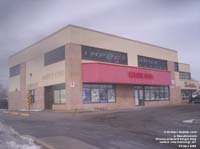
column 53, row 41
column 14, row 83
column 184, row 67
column 133, row 48
column 44, row 75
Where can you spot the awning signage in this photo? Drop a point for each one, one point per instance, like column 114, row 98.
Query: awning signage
column 192, row 85
column 140, row 75
column 121, row 74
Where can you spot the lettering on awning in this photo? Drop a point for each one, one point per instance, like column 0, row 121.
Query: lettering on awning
column 140, row 75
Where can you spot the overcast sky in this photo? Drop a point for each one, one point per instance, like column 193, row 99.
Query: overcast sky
column 173, row 24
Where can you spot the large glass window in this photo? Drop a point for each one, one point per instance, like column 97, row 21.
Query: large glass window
column 56, row 96
column 185, row 75
column 14, row 71
column 156, row 92
column 152, row 62
column 86, row 95
column 98, row 54
column 103, row 95
column 111, row 95
column 97, row 93
column 54, row 56
column 147, row 93
column 59, row 96
column 187, row 94
column 56, row 93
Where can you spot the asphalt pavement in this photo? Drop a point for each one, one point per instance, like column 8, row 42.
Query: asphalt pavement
column 135, row 128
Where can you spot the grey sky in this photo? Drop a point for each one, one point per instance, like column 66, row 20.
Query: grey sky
column 169, row 23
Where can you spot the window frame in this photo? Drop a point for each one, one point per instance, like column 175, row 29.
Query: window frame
column 187, row 91
column 14, row 70
column 54, row 56
column 99, row 87
column 104, row 55
column 184, row 75
column 154, row 63
column 60, row 96
column 155, row 93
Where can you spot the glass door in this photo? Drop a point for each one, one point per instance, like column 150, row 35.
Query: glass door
column 139, row 95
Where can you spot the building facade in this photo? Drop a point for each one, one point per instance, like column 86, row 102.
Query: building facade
column 82, row 69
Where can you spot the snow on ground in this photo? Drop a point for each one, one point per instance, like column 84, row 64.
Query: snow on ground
column 10, row 139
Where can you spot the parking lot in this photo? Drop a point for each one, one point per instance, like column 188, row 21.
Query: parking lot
column 131, row 128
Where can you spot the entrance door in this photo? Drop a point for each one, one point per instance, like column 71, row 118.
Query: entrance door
column 139, row 96
column 48, row 97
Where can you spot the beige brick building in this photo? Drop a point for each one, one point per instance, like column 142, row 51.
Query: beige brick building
column 82, row 69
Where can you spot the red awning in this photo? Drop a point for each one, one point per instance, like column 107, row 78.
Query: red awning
column 118, row 74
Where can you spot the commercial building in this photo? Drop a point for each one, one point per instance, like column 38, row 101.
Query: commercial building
column 82, row 69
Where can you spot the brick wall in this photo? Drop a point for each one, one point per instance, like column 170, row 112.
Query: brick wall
column 175, row 95
column 73, row 78
column 157, row 103
column 39, row 99
column 17, row 99
column 23, row 92
column 170, row 66
column 13, row 100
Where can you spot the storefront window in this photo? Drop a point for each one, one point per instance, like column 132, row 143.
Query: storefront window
column 98, row 93
column 103, row 94
column 111, row 95
column 152, row 93
column 59, row 96
column 147, row 93
column 186, row 94
column 156, row 92
column 56, row 97
column 62, row 96
column 162, row 92
column 86, row 95
column 166, row 92
column 95, row 95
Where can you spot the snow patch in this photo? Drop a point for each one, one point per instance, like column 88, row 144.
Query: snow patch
column 11, row 139
column 188, row 121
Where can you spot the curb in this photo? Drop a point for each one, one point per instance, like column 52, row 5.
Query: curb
column 24, row 114
column 41, row 143
column 17, row 113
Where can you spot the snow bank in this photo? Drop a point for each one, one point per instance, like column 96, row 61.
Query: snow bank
column 10, row 139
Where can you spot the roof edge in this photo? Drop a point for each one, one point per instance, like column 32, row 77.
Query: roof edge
column 76, row 26
column 183, row 63
column 117, row 36
column 51, row 34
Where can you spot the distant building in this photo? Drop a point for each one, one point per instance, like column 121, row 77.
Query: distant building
column 79, row 68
